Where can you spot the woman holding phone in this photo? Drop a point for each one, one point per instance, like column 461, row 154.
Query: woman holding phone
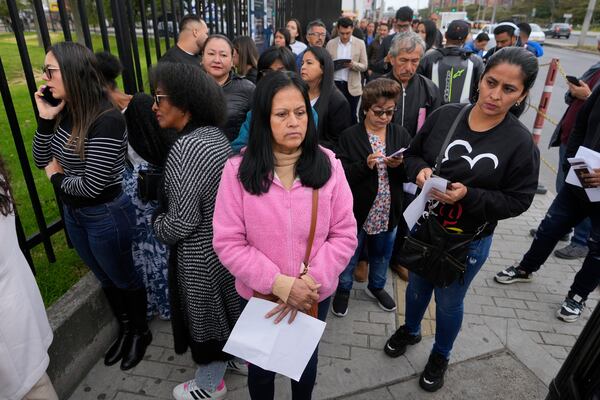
column 371, row 155
column 82, row 144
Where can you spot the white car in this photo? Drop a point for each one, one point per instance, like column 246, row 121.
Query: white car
column 537, row 34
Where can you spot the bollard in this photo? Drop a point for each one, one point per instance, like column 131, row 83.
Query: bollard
column 545, row 100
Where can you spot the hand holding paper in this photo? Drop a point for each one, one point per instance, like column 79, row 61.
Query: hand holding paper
column 415, row 209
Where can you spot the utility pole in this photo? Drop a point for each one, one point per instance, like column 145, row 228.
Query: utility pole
column 494, row 11
column 586, row 22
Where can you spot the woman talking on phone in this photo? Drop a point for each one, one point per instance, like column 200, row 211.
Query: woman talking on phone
column 81, row 143
column 491, row 165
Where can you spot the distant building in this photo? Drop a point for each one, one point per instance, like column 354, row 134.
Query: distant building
column 458, row 4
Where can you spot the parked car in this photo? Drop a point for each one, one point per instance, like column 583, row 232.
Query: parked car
column 558, row 30
column 537, row 34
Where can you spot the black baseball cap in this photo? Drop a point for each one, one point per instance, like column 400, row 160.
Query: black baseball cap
column 458, row 30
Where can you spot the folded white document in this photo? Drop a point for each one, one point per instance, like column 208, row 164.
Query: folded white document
column 283, row 348
column 415, row 209
column 590, row 158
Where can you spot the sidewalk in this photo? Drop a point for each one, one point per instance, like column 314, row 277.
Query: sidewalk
column 511, row 344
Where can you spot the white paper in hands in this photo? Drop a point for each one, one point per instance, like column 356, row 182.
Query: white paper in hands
column 283, row 348
column 592, row 158
column 415, row 209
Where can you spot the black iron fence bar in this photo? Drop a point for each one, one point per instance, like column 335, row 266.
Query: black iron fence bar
column 155, row 28
column 142, row 5
column 85, row 26
column 41, row 18
column 230, row 20
column 13, row 122
column 64, row 20
column 210, row 17
column 176, row 20
column 123, row 45
column 102, row 23
column 165, row 24
column 238, row 18
column 182, row 10
column 134, row 46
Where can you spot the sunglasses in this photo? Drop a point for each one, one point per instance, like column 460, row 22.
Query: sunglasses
column 157, row 98
column 48, row 70
column 387, row 113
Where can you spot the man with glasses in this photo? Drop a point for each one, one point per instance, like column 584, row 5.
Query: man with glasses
column 404, row 17
column 193, row 32
column 316, row 35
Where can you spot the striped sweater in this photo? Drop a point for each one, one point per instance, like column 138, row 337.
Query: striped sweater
column 97, row 178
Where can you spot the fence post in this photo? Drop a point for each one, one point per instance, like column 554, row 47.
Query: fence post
column 64, row 20
column 545, row 100
column 124, row 44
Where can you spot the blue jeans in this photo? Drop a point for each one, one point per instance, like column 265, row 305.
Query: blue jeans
column 261, row 383
column 583, row 229
column 102, row 236
column 379, row 248
column 568, row 210
column 449, row 301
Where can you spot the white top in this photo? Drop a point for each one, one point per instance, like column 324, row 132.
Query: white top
column 298, row 47
column 25, row 333
column 344, row 51
column 314, row 101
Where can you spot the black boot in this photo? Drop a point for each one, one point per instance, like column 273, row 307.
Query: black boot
column 117, row 304
column 141, row 337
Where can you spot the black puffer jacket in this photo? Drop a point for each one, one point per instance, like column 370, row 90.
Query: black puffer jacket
column 238, row 95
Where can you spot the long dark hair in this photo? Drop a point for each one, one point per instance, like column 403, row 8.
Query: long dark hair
column 272, row 54
column 247, row 52
column 286, row 35
column 523, row 59
column 430, row 33
column 327, row 86
column 300, row 37
column 6, row 200
column 258, row 163
column 84, row 88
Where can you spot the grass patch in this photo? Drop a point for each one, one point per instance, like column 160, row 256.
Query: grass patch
column 56, row 278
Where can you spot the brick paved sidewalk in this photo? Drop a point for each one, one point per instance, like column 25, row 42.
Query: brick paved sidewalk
column 505, row 328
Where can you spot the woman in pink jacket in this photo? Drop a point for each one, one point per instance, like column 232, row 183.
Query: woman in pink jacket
column 263, row 215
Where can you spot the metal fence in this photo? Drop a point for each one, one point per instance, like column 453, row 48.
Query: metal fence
column 125, row 20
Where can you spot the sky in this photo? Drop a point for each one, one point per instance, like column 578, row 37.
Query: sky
column 411, row 3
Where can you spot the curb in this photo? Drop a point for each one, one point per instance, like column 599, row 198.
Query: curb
column 572, row 48
column 83, row 328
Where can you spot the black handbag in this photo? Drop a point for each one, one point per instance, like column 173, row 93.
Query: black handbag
column 432, row 252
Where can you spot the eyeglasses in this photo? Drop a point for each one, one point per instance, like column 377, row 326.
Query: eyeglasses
column 388, row 113
column 321, row 35
column 48, row 70
column 157, row 98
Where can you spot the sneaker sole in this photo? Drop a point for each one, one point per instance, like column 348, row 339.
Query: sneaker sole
column 566, row 319
column 432, row 388
column 340, row 315
column 371, row 295
column 392, row 353
column 568, row 257
column 513, row 280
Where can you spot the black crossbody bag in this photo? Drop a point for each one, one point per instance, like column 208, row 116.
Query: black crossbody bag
column 431, row 251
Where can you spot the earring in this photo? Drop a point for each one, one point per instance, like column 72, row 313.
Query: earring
column 517, row 104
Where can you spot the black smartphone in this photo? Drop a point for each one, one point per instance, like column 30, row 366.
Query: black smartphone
column 49, row 98
column 573, row 80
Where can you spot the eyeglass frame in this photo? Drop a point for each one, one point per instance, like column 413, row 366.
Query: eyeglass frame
column 388, row 113
column 48, row 70
column 319, row 35
column 157, row 98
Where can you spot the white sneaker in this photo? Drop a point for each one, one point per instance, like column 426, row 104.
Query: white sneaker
column 190, row 391
column 238, row 366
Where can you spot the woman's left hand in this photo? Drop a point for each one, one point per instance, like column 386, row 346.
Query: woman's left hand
column 283, row 310
column 452, row 195
column 52, row 168
column 393, row 162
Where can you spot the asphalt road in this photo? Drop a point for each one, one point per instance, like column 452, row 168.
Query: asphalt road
column 573, row 63
column 590, row 40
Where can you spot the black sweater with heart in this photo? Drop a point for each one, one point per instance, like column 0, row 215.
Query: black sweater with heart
column 499, row 167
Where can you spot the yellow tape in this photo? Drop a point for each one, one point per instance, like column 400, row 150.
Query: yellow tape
column 543, row 114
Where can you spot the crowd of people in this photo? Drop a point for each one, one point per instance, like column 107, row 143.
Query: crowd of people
column 284, row 175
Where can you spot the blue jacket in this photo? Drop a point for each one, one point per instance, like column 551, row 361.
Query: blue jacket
column 242, row 140
column 535, row 48
column 470, row 46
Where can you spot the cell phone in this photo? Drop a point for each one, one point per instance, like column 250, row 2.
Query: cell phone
column 48, row 98
column 580, row 167
column 397, row 154
column 573, row 80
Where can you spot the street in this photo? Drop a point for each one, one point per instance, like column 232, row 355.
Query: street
column 573, row 63
column 590, row 40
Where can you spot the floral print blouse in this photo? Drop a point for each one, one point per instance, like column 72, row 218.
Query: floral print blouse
column 378, row 218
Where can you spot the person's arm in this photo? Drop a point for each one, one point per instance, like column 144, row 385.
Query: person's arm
column 333, row 256
column 244, row 261
column 363, row 61
column 580, row 130
column 356, row 170
column 518, row 188
column 42, row 142
column 184, row 177
column 414, row 159
column 103, row 147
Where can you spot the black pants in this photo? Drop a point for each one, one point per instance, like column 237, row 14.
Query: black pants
column 353, row 100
